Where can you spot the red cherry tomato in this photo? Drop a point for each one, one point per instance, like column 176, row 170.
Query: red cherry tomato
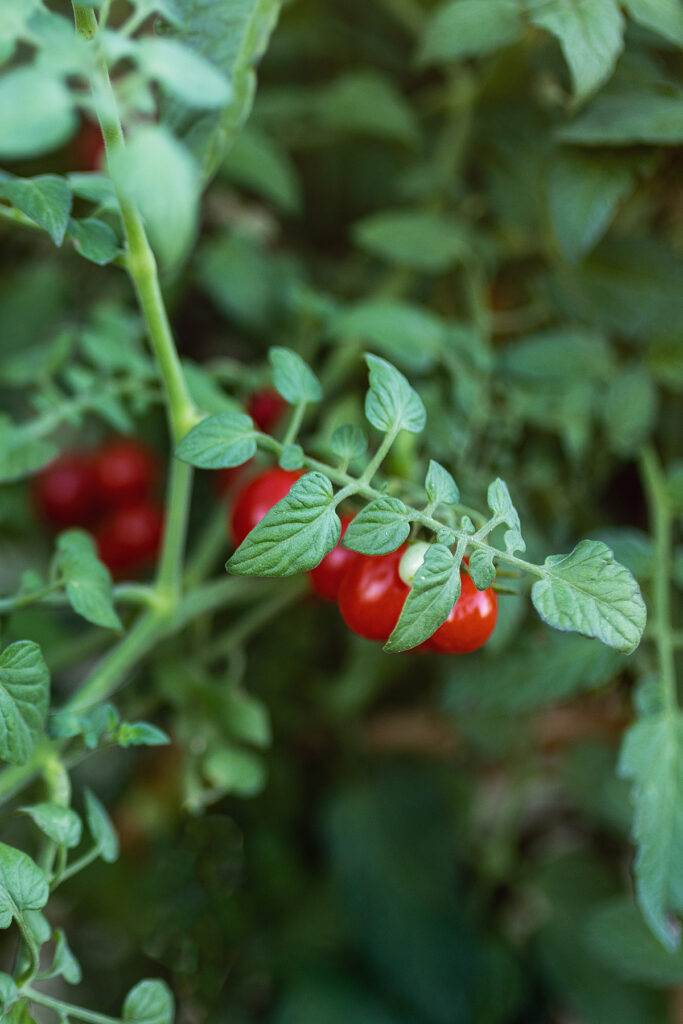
column 65, row 493
column 130, row 538
column 257, row 498
column 266, row 408
column 326, row 578
column 88, row 147
column 470, row 623
column 372, row 595
column 125, row 472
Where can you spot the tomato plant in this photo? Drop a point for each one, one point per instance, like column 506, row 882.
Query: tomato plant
column 418, row 259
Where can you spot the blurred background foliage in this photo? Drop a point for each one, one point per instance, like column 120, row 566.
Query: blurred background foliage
column 370, row 839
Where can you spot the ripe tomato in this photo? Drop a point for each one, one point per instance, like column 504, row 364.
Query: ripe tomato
column 257, row 498
column 65, row 493
column 266, row 408
column 372, row 595
column 129, row 538
column 88, row 147
column 470, row 623
column 125, row 472
column 326, row 578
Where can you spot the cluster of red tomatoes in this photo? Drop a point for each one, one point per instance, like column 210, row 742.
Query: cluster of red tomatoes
column 110, row 491
column 370, row 590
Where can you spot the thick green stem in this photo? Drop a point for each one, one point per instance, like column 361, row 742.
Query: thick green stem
column 111, row 671
column 141, row 263
column 169, row 579
column 659, row 507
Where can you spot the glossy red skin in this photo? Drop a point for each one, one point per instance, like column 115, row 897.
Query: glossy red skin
column 126, row 471
column 129, row 539
column 257, row 498
column 266, row 408
column 326, row 578
column 64, row 492
column 470, row 623
column 372, row 595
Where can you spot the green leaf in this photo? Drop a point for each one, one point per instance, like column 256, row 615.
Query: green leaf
column 58, row 823
column 293, row 378
column 233, row 770
column 205, row 391
column 406, row 334
column 24, row 696
column 629, row 118
column 36, row 113
column 23, row 886
column 64, row 963
column 559, row 355
column 292, row 457
column 584, row 192
column 150, row 1002
column 233, row 37
column 183, row 72
column 665, row 17
column 588, row 592
column 348, row 442
column 94, row 240
column 46, row 199
column 294, row 536
column 219, row 442
column 9, row 993
column 20, row 454
column 257, row 163
column 467, row 28
column 140, row 734
column 391, row 404
column 435, row 589
column 620, row 939
column 379, row 528
column 481, row 567
column 652, row 759
column 500, row 503
column 245, row 718
column 590, row 33
column 630, row 410
column 420, row 240
column 366, row 103
column 87, row 580
column 101, row 828
column 158, row 174
column 440, row 486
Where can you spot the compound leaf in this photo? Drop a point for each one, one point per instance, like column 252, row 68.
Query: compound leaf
column 588, row 592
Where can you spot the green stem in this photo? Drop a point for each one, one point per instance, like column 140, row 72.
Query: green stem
column 659, row 508
column 356, row 485
column 295, row 424
column 8, row 604
column 287, row 593
column 141, row 262
column 117, row 663
column 169, row 579
column 67, row 1009
column 378, row 458
column 210, row 545
column 77, row 865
